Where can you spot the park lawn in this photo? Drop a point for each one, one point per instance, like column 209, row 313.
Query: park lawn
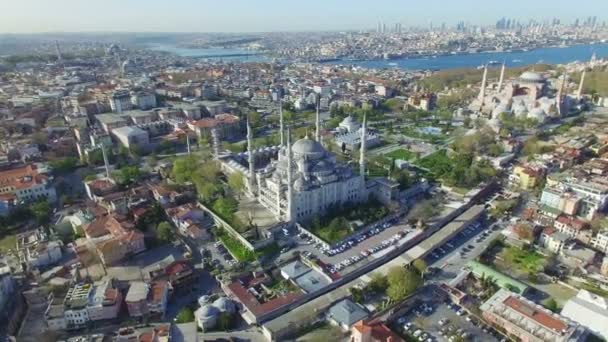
column 331, row 235
column 236, row 248
column 7, row 243
column 526, row 261
column 402, row 154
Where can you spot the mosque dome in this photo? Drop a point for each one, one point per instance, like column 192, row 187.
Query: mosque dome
column 308, row 147
column 208, row 311
column 300, row 184
column 224, row 304
column 531, row 76
column 538, row 114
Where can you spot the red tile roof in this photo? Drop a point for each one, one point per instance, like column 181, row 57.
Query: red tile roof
column 535, row 314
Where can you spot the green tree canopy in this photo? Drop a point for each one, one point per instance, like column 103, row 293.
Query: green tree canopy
column 164, row 232
column 401, row 282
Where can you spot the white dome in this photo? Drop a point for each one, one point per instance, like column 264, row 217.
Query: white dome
column 308, row 147
column 224, row 304
column 208, row 311
column 538, row 114
column 530, row 76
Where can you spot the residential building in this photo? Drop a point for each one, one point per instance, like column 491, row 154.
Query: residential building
column 528, row 177
column 529, row 322
column 35, row 249
column 228, row 126
column 143, row 100
column 158, row 296
column 570, row 226
column 137, row 299
column 75, row 305
column 600, row 241
column 553, row 240
column 105, row 301
column 111, row 121
column 180, row 274
column 120, row 101
column 346, row 313
column 132, row 136
column 24, row 184
column 114, row 239
column 373, row 331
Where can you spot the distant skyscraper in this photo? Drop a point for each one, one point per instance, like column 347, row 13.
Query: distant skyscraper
column 379, row 27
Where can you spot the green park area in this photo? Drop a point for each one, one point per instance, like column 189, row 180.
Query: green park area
column 457, row 170
column 339, row 224
column 529, row 262
column 7, row 243
column 240, row 251
column 402, row 154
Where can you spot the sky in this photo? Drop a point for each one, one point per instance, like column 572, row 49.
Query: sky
column 33, row 16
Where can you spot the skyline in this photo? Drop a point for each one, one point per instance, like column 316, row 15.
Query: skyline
column 240, row 16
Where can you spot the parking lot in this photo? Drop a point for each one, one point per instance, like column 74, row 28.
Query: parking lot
column 361, row 250
column 437, row 320
column 462, row 248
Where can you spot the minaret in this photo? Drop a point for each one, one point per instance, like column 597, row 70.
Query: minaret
column 318, row 121
column 289, row 178
column 579, row 94
column 502, row 77
column 482, row 91
column 560, row 94
column 188, row 143
column 363, row 148
column 106, row 163
column 250, row 158
column 282, row 128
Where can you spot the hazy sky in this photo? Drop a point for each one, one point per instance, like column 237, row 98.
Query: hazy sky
column 23, row 16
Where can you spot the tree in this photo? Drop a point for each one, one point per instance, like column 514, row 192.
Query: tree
column 164, row 232
column 236, row 182
column 127, row 175
column 185, row 315
column 357, row 294
column 64, row 165
column 184, row 169
column 378, row 283
column 225, row 207
column 420, row 265
column 401, row 282
column 41, row 211
column 551, row 304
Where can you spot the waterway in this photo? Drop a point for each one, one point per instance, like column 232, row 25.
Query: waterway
column 552, row 55
column 216, row 54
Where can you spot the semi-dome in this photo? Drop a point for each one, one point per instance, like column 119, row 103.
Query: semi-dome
column 208, row 311
column 224, row 304
column 308, row 147
column 531, row 76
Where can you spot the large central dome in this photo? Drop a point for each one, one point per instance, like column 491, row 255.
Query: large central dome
column 308, row 147
column 531, row 76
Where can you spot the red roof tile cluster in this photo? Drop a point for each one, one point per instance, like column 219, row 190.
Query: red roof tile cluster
column 252, row 303
column 21, row 177
column 533, row 313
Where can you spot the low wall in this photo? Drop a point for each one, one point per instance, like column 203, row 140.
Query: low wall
column 220, row 223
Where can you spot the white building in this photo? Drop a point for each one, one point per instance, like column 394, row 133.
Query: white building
column 104, row 302
column 590, row 311
column 143, row 100
column 349, row 135
column 130, row 136
column 600, row 241
column 75, row 305
column 120, row 101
